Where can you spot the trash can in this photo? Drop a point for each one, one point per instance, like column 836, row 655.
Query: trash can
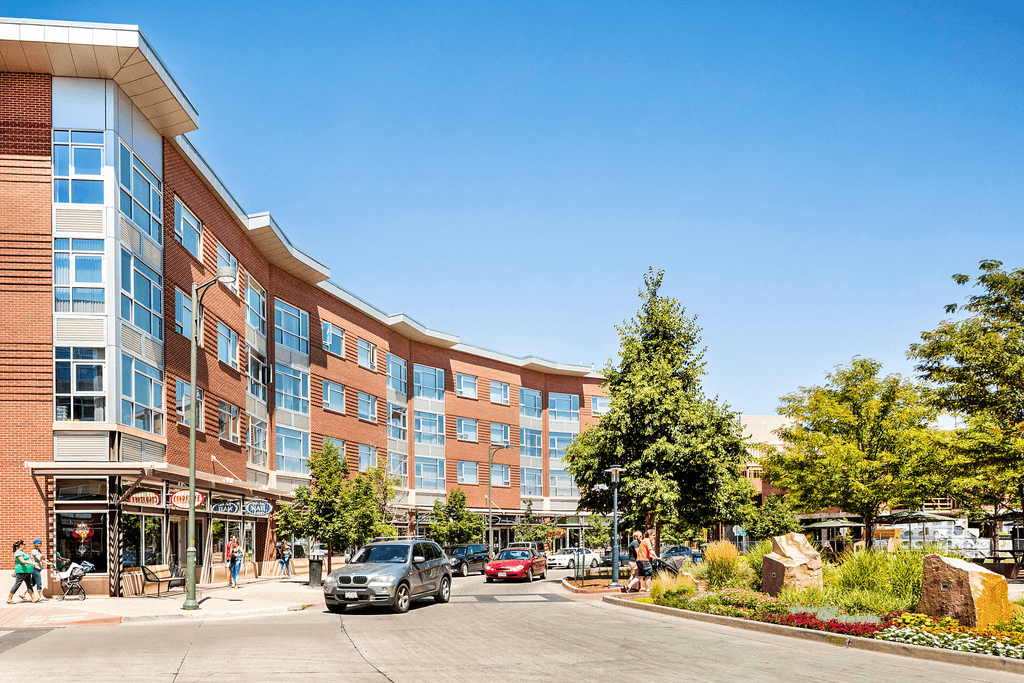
column 316, row 569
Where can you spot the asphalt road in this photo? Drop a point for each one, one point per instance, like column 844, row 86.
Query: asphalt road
column 489, row 632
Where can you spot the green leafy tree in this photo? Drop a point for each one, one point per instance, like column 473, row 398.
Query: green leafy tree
column 773, row 518
column 453, row 522
column 860, row 442
column 976, row 366
column 598, row 532
column 679, row 449
column 366, row 499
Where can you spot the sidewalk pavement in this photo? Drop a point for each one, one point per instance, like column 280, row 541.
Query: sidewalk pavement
column 258, row 597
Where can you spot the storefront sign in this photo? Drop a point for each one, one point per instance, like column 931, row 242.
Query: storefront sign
column 180, row 499
column 230, row 507
column 258, row 508
column 149, row 498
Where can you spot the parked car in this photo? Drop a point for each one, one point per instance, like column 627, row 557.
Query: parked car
column 606, row 560
column 466, row 558
column 517, row 563
column 683, row 551
column 535, row 546
column 391, row 572
column 569, row 558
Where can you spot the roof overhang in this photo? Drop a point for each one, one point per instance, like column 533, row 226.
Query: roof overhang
column 271, row 240
column 85, row 50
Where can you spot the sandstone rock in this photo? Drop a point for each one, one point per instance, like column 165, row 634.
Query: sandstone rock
column 971, row 594
column 793, row 563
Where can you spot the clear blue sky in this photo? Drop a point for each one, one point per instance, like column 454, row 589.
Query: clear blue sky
column 809, row 175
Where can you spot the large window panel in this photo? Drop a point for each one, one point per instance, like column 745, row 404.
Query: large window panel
column 291, row 327
column 78, row 276
column 397, row 374
column 428, row 428
column 529, row 402
column 531, row 481
column 79, row 384
column 429, row 473
column 77, row 167
column 564, row 407
column 292, row 389
column 82, row 537
column 428, row 382
column 292, row 450
column 397, row 421
column 183, row 400
column 188, row 231
column 141, row 195
column 141, row 295
column 141, row 395
column 255, row 306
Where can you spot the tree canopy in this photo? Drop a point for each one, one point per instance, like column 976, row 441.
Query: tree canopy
column 858, row 443
column 976, row 366
column 774, row 518
column 679, row 449
column 453, row 522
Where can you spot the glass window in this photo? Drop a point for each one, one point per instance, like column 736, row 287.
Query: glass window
column 183, row 400
column 78, row 276
column 141, row 395
column 499, row 392
column 465, row 385
column 428, row 428
column 257, row 441
column 226, row 260
column 530, row 449
column 564, row 407
column 557, row 442
column 500, row 475
column 367, row 457
column 397, row 374
column 429, row 473
column 529, row 402
column 141, row 295
column 292, row 389
column 79, row 388
column 258, row 374
column 562, row 485
column 183, row 314
column 398, row 467
column 499, row 434
column 291, row 327
column 367, row 407
column 255, row 305
column 367, row 354
column 80, row 490
column 188, row 230
column 333, row 339
column 531, row 481
column 292, row 450
column 228, row 417
column 227, row 345
column 428, row 382
column 599, row 405
column 141, row 195
column 82, row 537
column 467, row 472
column 397, row 421
column 334, row 396
column 142, row 540
column 77, row 167
column 465, row 429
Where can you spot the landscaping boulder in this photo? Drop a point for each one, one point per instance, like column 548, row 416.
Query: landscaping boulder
column 793, row 563
column 971, row 594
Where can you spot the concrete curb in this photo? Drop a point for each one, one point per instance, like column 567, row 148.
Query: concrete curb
column 592, row 591
column 198, row 615
column 933, row 654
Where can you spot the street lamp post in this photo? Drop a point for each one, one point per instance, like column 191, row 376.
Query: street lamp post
column 227, row 275
column 491, row 450
column 613, row 471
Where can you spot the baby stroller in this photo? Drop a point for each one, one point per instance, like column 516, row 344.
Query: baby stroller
column 71, row 577
column 663, row 566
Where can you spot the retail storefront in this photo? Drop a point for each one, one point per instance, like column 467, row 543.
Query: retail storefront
column 120, row 517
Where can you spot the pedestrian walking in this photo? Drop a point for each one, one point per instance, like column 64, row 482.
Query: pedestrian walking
column 633, row 585
column 235, row 556
column 286, row 559
column 41, row 562
column 23, row 568
column 645, row 554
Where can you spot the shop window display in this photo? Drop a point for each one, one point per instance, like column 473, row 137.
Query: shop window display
column 82, row 537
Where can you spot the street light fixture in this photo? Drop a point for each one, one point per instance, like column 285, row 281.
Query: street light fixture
column 613, row 472
column 226, row 275
column 491, row 450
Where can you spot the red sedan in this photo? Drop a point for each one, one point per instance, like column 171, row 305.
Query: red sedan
column 517, row 563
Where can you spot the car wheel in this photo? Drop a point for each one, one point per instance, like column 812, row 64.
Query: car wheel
column 464, row 569
column 593, row 564
column 571, row 565
column 529, row 575
column 402, row 599
column 336, row 609
column 490, row 580
column 544, row 574
column 444, row 591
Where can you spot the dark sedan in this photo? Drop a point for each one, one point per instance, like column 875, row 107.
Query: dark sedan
column 683, row 551
column 467, row 558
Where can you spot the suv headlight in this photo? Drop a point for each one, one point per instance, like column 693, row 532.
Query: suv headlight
column 382, row 579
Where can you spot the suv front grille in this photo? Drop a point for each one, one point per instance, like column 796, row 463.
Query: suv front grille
column 361, row 580
column 344, row 579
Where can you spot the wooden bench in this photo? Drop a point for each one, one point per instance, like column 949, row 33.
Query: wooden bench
column 160, row 574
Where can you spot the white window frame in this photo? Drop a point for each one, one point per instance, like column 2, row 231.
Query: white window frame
column 228, row 421
column 502, row 432
column 438, row 481
column 186, row 220
column 502, row 390
column 74, row 394
column 142, row 371
column 468, row 472
column 286, row 436
column 73, row 174
column 130, row 194
column 129, row 296
column 556, row 411
column 183, row 315
column 226, row 259
column 367, row 407
column 436, row 375
column 398, row 422
column 259, row 374
column 467, row 429
column 74, row 287
column 227, row 345
column 527, row 408
column 465, row 385
column 329, row 332
column 367, row 457
column 256, row 440
column 423, row 418
column 254, row 291
column 399, row 383
column 283, row 336
column 367, row 350
column 182, row 394
column 398, row 468
column 334, row 389
column 531, row 481
column 599, row 405
column 501, row 475
column 280, row 391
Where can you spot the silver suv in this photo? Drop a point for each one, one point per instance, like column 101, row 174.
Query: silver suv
column 392, row 572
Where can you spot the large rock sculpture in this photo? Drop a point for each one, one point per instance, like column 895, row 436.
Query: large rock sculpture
column 971, row 594
column 793, row 563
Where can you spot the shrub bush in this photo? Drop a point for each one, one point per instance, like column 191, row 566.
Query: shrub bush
column 722, row 561
column 665, row 582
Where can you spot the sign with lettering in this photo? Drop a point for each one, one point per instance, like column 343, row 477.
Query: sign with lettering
column 179, row 499
column 148, row 498
column 258, row 508
column 231, row 507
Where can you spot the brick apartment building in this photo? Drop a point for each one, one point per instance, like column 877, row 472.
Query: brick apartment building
column 108, row 215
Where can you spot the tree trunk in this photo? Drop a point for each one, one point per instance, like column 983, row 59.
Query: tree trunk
column 869, row 530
